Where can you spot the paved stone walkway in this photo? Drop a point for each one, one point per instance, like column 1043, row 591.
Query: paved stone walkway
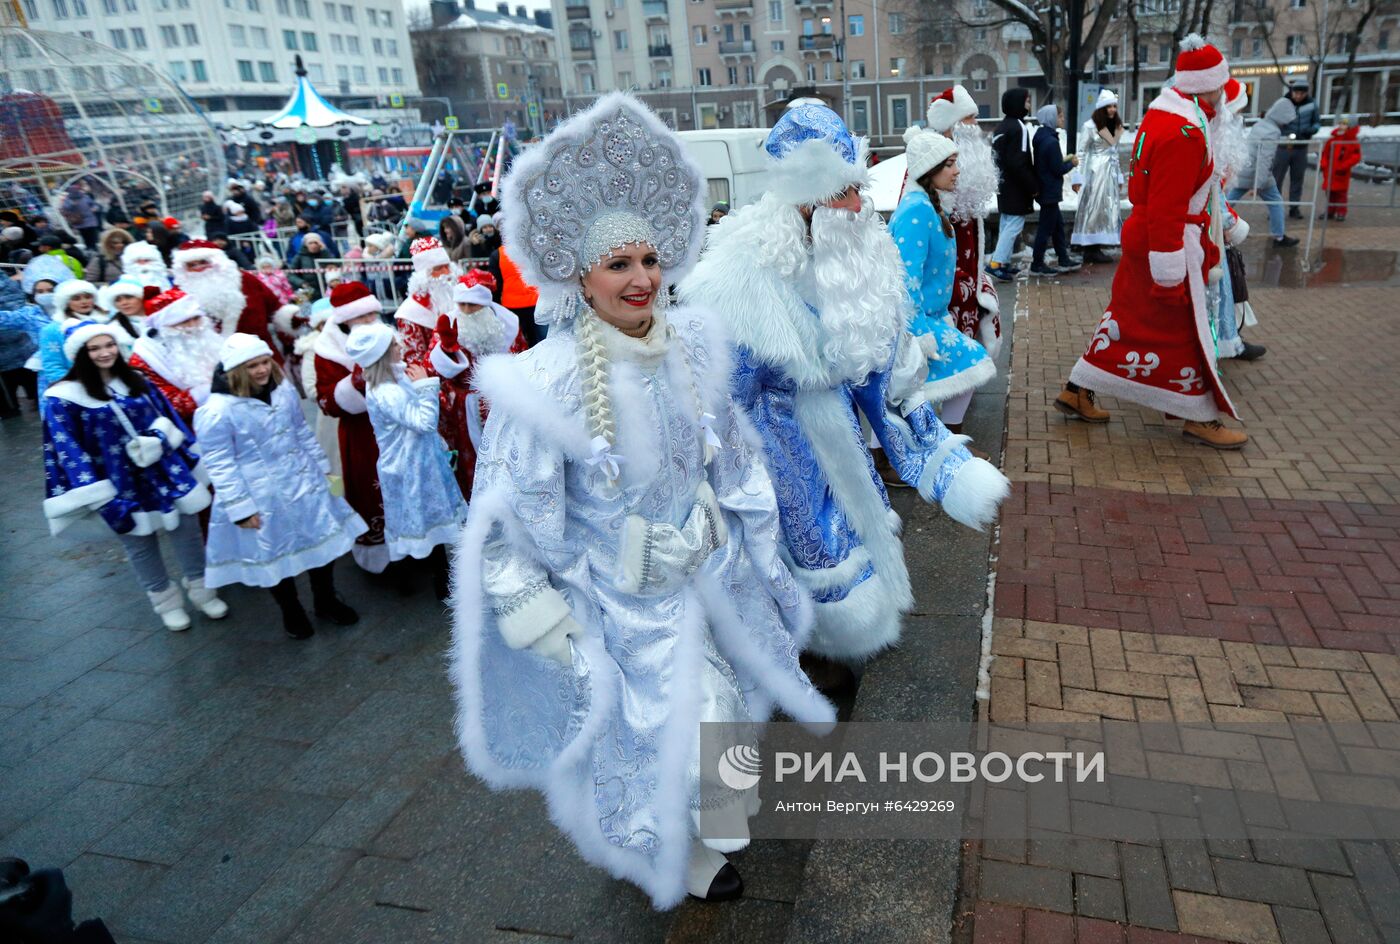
column 1144, row 579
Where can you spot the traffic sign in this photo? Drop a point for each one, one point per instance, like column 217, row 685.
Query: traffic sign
column 502, row 90
column 450, row 123
column 534, row 110
column 154, row 106
column 396, row 100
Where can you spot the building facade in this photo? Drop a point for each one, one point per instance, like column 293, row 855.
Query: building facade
column 235, row 58
column 735, row 63
column 494, row 64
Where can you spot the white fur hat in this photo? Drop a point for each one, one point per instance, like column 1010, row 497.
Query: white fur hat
column 1106, row 97
column 84, row 331
column 368, row 343
column 427, row 254
column 122, row 288
column 63, row 293
column 813, row 156
column 241, row 348
column 924, row 150
column 949, row 107
column 140, row 250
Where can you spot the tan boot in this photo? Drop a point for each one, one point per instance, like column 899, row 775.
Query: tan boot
column 1079, row 404
column 1214, row 434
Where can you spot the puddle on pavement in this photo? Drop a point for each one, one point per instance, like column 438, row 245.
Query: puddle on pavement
column 1331, row 266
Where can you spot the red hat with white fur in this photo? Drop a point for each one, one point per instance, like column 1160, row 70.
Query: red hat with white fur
column 478, row 277
column 194, row 250
column 351, row 300
column 949, row 107
column 427, row 254
column 171, row 307
column 1236, row 95
column 1199, row 67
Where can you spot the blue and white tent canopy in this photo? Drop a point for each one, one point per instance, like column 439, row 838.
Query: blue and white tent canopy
column 307, row 109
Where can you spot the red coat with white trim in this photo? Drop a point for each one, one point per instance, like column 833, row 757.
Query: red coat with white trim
column 1154, row 345
column 1339, row 155
column 338, row 394
column 182, row 400
column 260, row 309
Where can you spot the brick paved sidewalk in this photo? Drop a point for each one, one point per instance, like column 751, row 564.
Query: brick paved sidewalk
column 1144, row 579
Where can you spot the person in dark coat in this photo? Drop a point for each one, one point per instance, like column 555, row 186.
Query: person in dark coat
column 1011, row 144
column 1050, row 169
column 1291, row 158
column 215, row 223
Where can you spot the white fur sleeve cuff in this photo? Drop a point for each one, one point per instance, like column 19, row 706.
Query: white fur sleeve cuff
column 526, row 617
column 173, row 437
column 282, row 318
column 445, row 364
column 1168, row 268
column 348, row 398
column 1238, row 233
column 78, row 500
column 977, row 491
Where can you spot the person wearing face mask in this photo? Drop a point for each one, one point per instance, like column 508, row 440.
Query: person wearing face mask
column 812, row 289
column 114, row 447
column 923, row 233
column 622, row 529
column 274, row 515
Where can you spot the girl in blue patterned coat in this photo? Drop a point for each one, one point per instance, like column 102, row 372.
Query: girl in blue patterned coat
column 957, row 364
column 114, row 446
column 423, row 505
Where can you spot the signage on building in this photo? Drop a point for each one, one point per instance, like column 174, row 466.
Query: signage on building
column 450, row 123
column 1293, row 69
column 502, row 90
column 396, row 100
column 154, row 106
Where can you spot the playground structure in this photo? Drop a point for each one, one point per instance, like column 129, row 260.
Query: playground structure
column 460, row 150
column 73, row 111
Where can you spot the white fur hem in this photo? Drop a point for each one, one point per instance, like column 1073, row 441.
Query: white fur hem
column 253, row 573
column 63, row 510
column 447, row 365
column 856, row 628
column 1168, row 268
column 348, row 398
column 371, row 558
column 1199, row 406
column 936, row 391
column 1237, row 233
column 420, row 547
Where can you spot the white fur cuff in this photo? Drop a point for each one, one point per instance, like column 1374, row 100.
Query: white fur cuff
column 282, row 318
column 348, row 398
column 173, row 437
column 446, row 364
column 1168, row 268
column 78, row 500
column 977, row 491
column 1237, row 233
column 531, row 621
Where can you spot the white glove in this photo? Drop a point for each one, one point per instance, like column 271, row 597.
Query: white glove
column 658, row 557
column 145, row 450
column 555, row 643
column 200, row 394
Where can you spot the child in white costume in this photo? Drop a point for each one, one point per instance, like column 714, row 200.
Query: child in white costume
column 619, row 579
column 423, row 507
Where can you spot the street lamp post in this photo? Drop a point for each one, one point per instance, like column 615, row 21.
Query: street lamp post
column 1076, row 32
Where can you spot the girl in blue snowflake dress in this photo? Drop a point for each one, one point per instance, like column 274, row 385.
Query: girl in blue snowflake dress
column 114, row 447
column 925, row 238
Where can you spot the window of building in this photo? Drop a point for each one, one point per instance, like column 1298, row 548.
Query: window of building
column 386, row 17
column 809, row 27
column 201, row 74
column 284, row 7
column 897, row 68
column 258, row 36
column 811, row 72
column 178, row 71
column 701, row 36
column 245, row 70
column 303, row 8
column 1237, row 47
column 1295, row 45
column 1108, row 57
column 1297, row 4
column 337, row 43
column 860, row 116
column 191, row 34
column 347, row 13
column 733, row 75
column 117, row 38
column 109, row 6
column 826, row 71
column 896, row 24
column 138, row 38
column 748, row 75
column 308, row 41
column 391, row 46
column 316, row 72
column 586, row 82
column 702, row 76
column 359, row 73
column 777, row 45
column 663, row 78
column 254, row 6
column 857, row 68
column 1013, row 61
column 168, row 36
column 619, row 39
column 383, row 75
column 1383, row 39
column 267, row 72
column 1164, row 52
column 377, row 45
column 289, row 39
column 372, row 15
column 855, row 26
column 775, row 11
column 330, row 11
column 352, row 45
column 899, row 113
column 60, row 9
column 237, row 36
column 979, row 85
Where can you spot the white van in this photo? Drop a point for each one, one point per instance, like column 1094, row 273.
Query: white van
column 733, row 162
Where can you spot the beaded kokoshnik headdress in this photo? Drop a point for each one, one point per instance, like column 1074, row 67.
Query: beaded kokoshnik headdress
column 613, row 175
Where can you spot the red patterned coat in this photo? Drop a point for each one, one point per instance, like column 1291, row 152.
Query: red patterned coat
column 974, row 305
column 1154, row 344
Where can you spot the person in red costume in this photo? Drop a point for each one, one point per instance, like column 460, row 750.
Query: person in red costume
column 178, row 352
column 235, row 300
column 1155, row 347
column 1339, row 155
column 429, row 297
column 340, row 392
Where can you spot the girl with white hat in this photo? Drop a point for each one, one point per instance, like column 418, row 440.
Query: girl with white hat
column 1099, row 179
column 423, row 507
column 73, row 301
column 274, row 515
column 114, row 446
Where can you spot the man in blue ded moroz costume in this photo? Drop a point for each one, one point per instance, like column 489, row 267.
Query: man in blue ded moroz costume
column 811, row 289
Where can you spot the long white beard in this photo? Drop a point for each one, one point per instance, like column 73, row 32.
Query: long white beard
column 481, row 332
column 860, row 281
column 149, row 272
column 978, row 178
column 438, row 289
column 1229, row 145
column 219, row 291
column 191, row 355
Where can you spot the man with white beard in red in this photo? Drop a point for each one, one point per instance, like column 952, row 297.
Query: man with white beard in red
column 236, row 301
column 178, row 352
column 429, row 298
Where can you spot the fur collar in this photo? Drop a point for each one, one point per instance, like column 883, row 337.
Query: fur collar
column 74, row 392
column 415, row 310
column 330, row 344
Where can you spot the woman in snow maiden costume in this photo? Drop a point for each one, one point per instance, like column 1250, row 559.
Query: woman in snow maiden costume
column 957, row 365
column 113, row 445
column 618, row 581
column 811, row 288
column 423, row 507
column 1099, row 178
column 274, row 515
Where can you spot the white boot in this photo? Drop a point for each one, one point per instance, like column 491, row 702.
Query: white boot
column 170, row 607
column 701, row 868
column 207, row 600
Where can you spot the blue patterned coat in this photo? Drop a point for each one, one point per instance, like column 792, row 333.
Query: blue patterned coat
column 86, row 467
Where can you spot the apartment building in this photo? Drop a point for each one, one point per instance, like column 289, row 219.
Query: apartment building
column 235, row 58
column 735, row 63
column 492, row 63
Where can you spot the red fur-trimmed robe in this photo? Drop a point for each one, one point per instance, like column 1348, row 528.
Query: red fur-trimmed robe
column 417, row 325
column 1154, row 344
column 340, row 396
column 181, row 399
column 974, row 305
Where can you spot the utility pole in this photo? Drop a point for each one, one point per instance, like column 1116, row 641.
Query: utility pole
column 1076, row 34
column 845, row 71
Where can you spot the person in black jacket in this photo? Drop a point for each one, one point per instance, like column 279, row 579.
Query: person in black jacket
column 1011, row 144
column 1050, row 168
column 1291, row 158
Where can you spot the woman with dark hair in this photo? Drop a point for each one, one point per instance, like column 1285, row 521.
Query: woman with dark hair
column 113, row 445
column 274, row 515
column 927, row 245
column 1098, row 180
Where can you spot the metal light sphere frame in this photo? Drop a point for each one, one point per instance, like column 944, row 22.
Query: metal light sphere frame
column 74, row 110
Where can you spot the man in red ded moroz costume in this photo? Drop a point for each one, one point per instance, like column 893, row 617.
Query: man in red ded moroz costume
column 179, row 351
column 235, row 300
column 429, row 297
column 1154, row 345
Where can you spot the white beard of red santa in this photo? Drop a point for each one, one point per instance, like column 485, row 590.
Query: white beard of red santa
column 152, row 271
column 219, row 291
column 480, row 332
column 1229, row 146
column 978, row 179
column 191, row 352
column 859, row 278
column 437, row 288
